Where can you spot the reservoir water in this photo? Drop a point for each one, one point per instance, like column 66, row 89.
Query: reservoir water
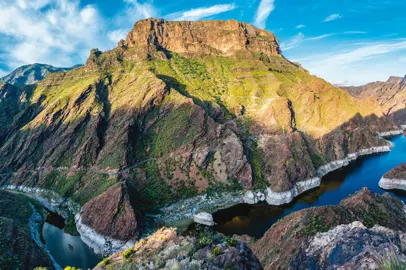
column 255, row 220
column 66, row 249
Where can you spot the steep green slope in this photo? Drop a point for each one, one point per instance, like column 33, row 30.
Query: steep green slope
column 177, row 110
column 18, row 249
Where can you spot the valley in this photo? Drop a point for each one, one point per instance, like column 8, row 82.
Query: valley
column 189, row 117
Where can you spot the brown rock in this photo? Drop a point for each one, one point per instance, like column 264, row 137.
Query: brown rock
column 111, row 214
column 285, row 238
column 202, row 37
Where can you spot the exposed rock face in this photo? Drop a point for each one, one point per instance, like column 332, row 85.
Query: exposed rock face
column 390, row 95
column 294, row 233
column 30, row 74
column 177, row 110
column 111, row 214
column 166, row 250
column 202, row 37
column 351, row 246
column 395, row 178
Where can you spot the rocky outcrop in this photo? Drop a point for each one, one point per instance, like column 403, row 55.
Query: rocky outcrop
column 293, row 233
column 352, row 246
column 181, row 110
column 395, row 178
column 31, row 74
column 204, row 218
column 111, row 219
column 166, row 250
column 223, row 38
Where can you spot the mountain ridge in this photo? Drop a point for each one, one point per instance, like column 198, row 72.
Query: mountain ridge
column 202, row 119
column 32, row 73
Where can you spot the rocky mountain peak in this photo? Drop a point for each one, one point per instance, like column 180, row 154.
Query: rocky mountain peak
column 202, row 37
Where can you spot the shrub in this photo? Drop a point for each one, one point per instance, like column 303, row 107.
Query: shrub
column 205, row 241
column 391, row 261
column 216, row 251
column 106, row 261
column 231, row 242
column 128, row 253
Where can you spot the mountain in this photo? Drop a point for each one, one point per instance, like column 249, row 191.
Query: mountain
column 30, row 74
column 176, row 110
column 390, row 95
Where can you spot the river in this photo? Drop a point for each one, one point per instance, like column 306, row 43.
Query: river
column 67, row 250
column 255, row 220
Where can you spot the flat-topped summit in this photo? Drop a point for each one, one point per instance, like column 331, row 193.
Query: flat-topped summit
column 207, row 37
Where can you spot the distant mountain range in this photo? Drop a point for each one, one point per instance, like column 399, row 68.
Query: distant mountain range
column 391, row 96
column 30, row 74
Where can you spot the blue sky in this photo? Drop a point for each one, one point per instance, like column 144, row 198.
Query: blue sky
column 344, row 42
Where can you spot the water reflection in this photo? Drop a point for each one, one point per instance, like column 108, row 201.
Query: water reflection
column 255, row 220
column 66, row 249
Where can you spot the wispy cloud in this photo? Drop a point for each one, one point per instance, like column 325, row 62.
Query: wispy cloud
column 355, row 32
column 403, row 60
column 298, row 39
column 333, row 17
column 293, row 42
column 300, row 26
column 200, row 13
column 321, row 36
column 358, row 65
column 264, row 9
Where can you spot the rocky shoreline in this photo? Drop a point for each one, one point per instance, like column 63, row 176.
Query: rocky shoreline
column 101, row 244
column 386, row 183
column 185, row 209
column 395, row 178
column 34, row 224
column 202, row 203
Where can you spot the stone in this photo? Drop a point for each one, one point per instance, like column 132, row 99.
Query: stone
column 204, row 218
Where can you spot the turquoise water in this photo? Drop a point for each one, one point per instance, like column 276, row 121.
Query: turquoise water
column 67, row 250
column 255, row 220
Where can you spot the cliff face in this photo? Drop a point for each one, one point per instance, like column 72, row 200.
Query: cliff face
column 390, row 95
column 202, row 37
column 178, row 109
column 311, row 239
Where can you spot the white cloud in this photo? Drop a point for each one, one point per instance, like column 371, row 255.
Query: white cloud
column 300, row 26
column 403, row 59
column 333, row 17
column 60, row 32
column 200, row 13
column 293, row 42
column 298, row 39
column 117, row 35
column 264, row 9
column 365, row 63
column 355, row 32
column 321, row 36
